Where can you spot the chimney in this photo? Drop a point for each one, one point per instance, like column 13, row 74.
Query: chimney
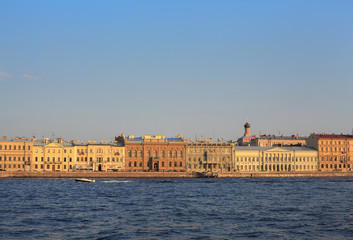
column 3, row 137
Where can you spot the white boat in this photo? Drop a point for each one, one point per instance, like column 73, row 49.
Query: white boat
column 84, row 180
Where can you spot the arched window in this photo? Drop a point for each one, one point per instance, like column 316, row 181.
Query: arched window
column 170, row 154
column 135, row 153
column 155, row 153
column 129, row 153
column 162, row 154
column 181, row 154
column 175, row 154
column 140, row 153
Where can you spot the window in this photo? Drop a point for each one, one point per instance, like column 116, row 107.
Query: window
column 170, row 154
column 135, row 153
column 36, row 159
column 140, row 153
column 162, row 154
column 148, row 154
column 155, row 154
column 129, row 153
column 181, row 154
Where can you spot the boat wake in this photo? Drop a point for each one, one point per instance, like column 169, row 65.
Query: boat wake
column 117, row 181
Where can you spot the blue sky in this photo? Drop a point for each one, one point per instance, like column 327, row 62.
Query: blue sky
column 96, row 69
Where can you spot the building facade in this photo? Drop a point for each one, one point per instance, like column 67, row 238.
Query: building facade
column 154, row 153
column 101, row 156
column 281, row 141
column 53, row 155
column 207, row 156
column 275, row 159
column 57, row 155
column 335, row 151
column 15, row 154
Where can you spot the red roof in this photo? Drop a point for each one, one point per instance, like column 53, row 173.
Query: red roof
column 335, row 136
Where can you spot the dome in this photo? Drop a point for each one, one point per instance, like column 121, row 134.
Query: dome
column 247, row 125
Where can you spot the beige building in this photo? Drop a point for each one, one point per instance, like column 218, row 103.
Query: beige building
column 15, row 154
column 57, row 155
column 49, row 155
column 204, row 156
column 273, row 140
column 254, row 159
column 101, row 156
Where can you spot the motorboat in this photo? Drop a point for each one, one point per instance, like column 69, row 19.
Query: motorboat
column 84, row 180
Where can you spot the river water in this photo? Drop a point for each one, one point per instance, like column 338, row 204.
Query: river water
column 248, row 208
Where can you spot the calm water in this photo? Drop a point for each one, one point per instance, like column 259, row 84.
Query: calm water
column 288, row 208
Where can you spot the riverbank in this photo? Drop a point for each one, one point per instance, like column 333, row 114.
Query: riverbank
column 8, row 174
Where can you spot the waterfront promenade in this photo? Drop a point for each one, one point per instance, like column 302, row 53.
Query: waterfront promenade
column 9, row 174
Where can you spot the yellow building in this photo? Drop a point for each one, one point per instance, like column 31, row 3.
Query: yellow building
column 100, row 156
column 15, row 154
column 204, row 156
column 254, row 159
column 54, row 155
column 57, row 155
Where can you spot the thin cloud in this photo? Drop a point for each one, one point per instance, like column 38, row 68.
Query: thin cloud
column 4, row 76
column 30, row 77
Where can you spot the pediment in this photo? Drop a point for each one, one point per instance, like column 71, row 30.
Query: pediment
column 277, row 149
column 53, row 145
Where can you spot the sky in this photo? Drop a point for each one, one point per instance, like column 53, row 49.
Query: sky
column 88, row 69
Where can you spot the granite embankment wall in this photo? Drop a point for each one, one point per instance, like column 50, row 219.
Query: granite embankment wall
column 8, row 174
column 286, row 174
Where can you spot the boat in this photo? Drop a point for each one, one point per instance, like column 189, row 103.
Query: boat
column 84, row 180
column 208, row 174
